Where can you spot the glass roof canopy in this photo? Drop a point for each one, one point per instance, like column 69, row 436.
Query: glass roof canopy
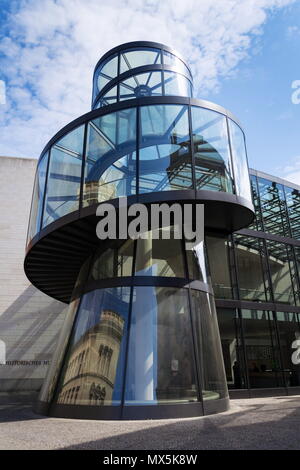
column 140, row 69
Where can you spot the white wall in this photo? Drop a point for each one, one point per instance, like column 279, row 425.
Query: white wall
column 29, row 320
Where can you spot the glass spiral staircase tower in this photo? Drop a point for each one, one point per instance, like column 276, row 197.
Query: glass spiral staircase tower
column 140, row 339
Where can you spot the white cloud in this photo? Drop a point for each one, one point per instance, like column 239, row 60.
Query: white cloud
column 52, row 47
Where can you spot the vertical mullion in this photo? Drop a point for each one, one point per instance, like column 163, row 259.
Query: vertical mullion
column 270, row 280
column 45, row 189
column 83, row 161
column 241, row 320
column 235, row 266
column 276, row 327
column 32, row 195
column 231, row 157
column 137, row 159
column 271, row 333
column 132, row 287
column 118, row 72
column 192, row 149
column 197, row 356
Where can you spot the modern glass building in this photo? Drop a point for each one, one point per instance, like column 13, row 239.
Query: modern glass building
column 255, row 275
column 141, row 337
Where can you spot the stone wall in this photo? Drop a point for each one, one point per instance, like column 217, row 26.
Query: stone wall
column 29, row 320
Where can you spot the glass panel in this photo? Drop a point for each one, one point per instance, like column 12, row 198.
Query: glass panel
column 171, row 59
column 94, row 367
column 289, row 337
column 110, row 169
column 230, row 332
column 257, row 222
column 63, row 185
column 239, row 160
column 109, row 98
column 208, row 346
column 218, row 255
column 252, row 283
column 105, row 73
column 37, row 198
column 198, row 264
column 176, row 84
column 273, row 206
column 136, row 58
column 50, row 381
column 144, row 84
column 280, row 272
column 262, row 353
column 159, row 257
column 165, row 159
column 114, row 262
column 160, row 363
column 211, row 150
column 293, row 204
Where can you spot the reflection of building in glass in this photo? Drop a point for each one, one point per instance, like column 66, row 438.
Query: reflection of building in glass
column 91, row 368
column 146, row 139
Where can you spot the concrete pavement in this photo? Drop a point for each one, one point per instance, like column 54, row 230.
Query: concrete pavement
column 257, row 423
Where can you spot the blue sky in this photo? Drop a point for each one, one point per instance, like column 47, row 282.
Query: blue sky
column 260, row 95
column 244, row 55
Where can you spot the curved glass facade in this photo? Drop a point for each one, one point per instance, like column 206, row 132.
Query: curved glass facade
column 108, row 358
column 139, row 72
column 139, row 150
column 141, row 339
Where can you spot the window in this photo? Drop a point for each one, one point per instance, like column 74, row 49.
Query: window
column 273, row 206
column 110, row 163
column 208, row 346
column 105, row 73
column 281, row 268
column 289, row 336
column 218, row 255
column 211, row 151
column 137, row 57
column 165, row 160
column 252, row 280
column 159, row 257
column 160, row 365
column 233, row 353
column 63, row 184
column 114, row 262
column 100, row 332
column 176, row 84
column 143, row 84
column 37, row 198
column 239, row 160
column 262, row 351
column 293, row 205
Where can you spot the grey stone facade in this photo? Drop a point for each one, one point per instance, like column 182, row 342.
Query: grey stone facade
column 29, row 320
